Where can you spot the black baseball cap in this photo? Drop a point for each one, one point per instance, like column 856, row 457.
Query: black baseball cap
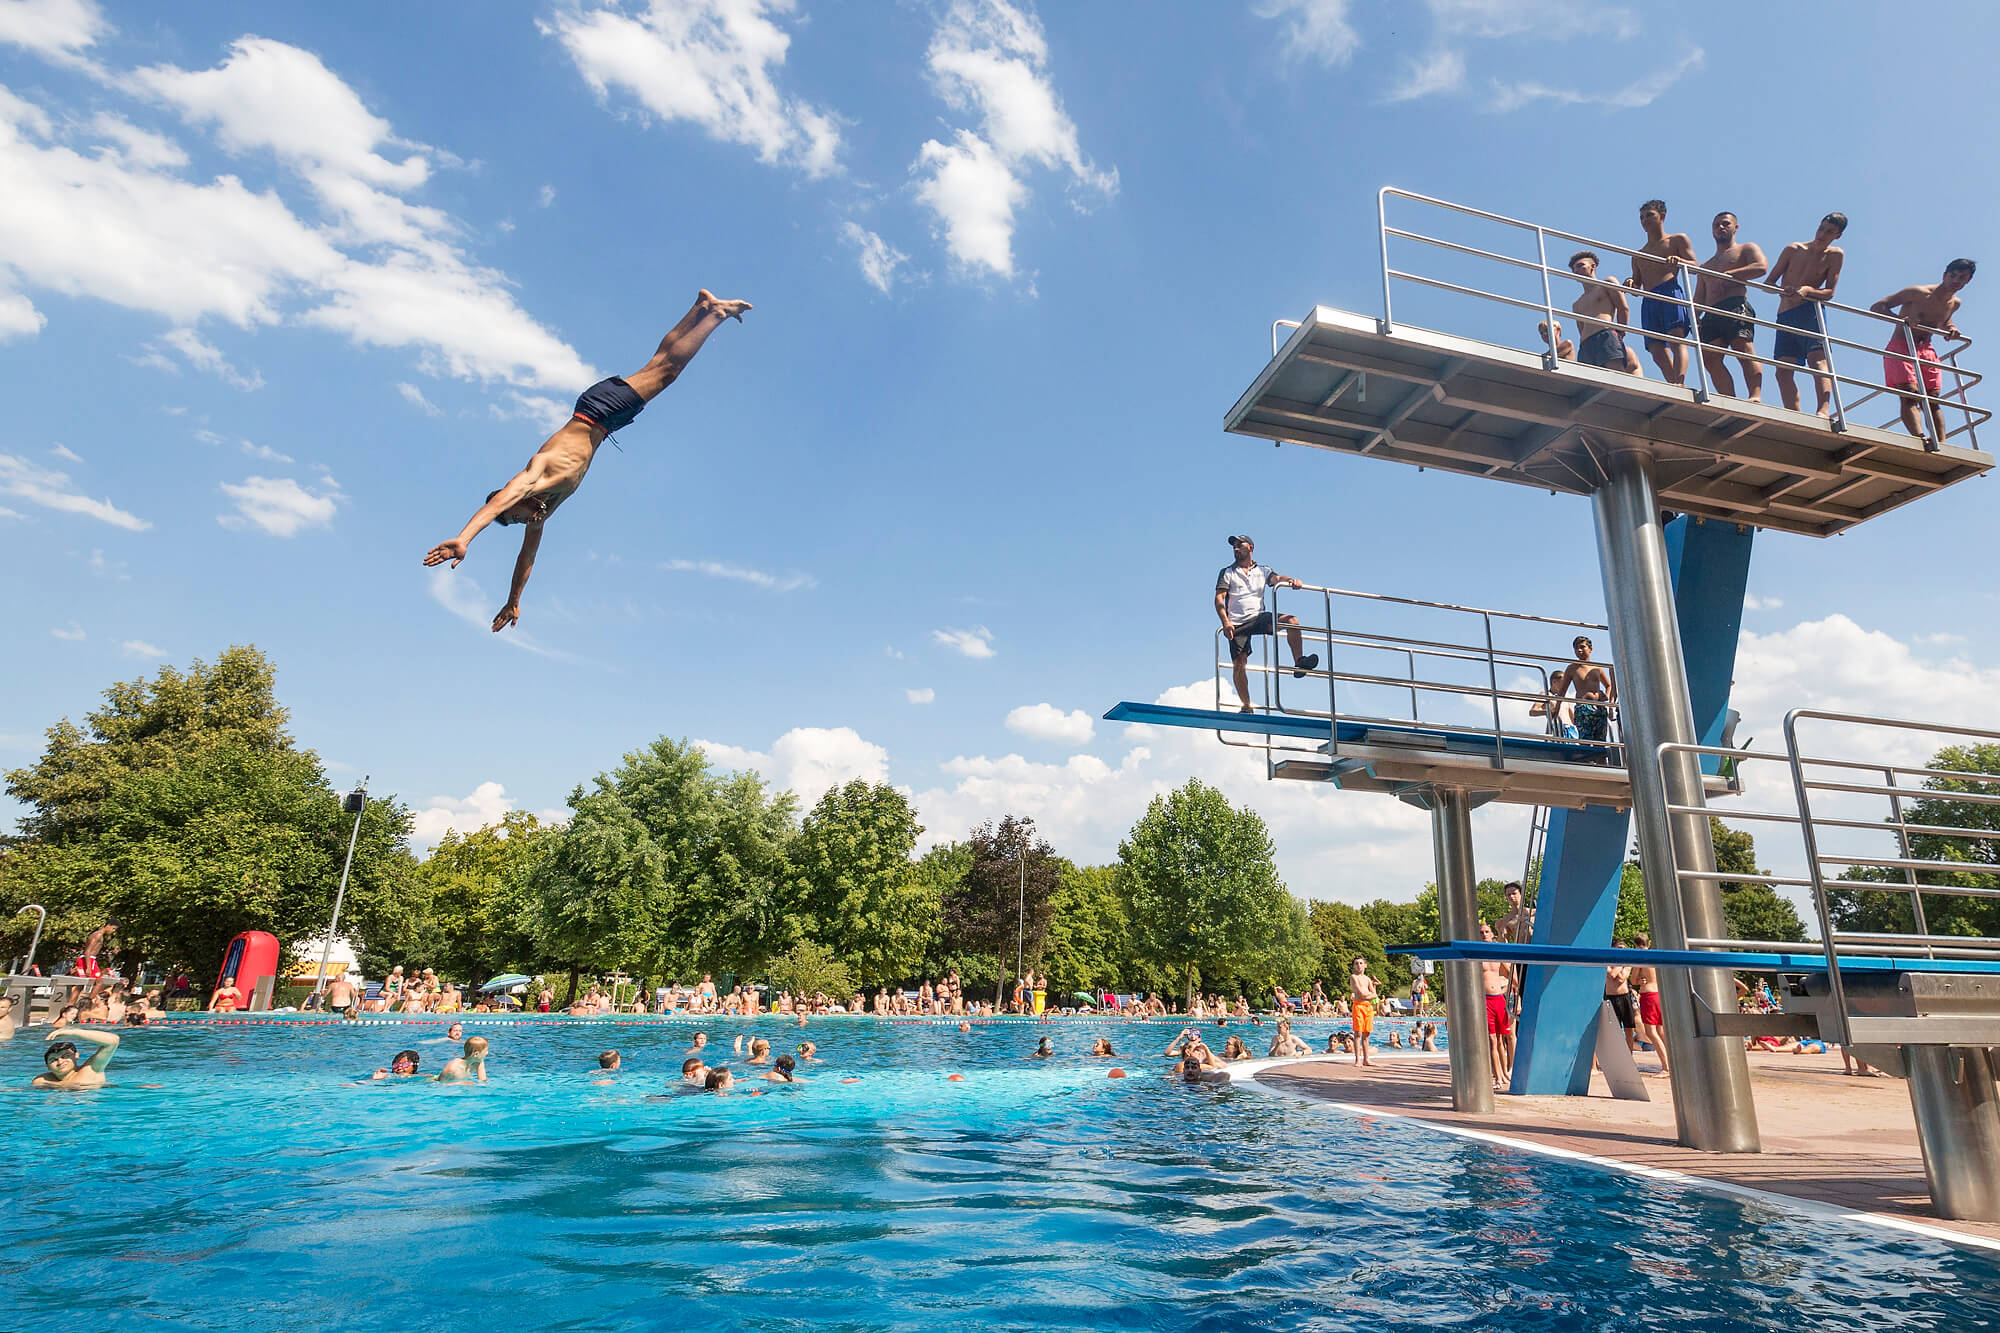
column 1243, row 539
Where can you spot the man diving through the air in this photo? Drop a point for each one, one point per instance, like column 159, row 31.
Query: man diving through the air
column 558, row 467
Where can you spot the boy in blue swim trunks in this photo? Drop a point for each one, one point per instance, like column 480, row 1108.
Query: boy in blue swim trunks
column 1664, row 310
column 558, row 467
column 1806, row 273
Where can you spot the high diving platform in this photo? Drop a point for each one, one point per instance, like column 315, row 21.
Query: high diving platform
column 1470, row 368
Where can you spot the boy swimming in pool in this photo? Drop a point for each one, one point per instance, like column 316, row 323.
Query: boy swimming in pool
column 558, row 467
column 465, row 1068
column 64, row 1069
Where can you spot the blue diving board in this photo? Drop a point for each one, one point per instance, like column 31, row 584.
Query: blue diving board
column 1351, row 733
column 1571, row 955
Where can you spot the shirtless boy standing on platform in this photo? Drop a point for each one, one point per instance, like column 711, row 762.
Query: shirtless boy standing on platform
column 1806, row 273
column 1664, row 310
column 1595, row 693
column 1924, row 310
column 1601, row 316
column 558, row 467
column 1498, row 978
column 1652, row 1021
column 1362, row 1010
column 1742, row 261
column 1618, row 993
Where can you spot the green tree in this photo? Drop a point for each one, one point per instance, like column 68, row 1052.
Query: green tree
column 1202, row 886
column 1944, row 914
column 1293, row 955
column 1089, row 940
column 1344, row 933
column 808, row 969
column 183, row 810
column 1002, row 905
column 1632, row 918
column 1753, row 911
column 470, row 927
column 1393, row 923
column 851, row 883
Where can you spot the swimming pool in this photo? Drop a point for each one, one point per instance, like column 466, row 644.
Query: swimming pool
column 254, row 1188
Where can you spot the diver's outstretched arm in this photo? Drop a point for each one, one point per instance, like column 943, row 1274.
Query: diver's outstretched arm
column 524, row 565
column 516, row 490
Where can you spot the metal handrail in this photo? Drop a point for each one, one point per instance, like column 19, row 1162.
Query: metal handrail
column 1946, row 360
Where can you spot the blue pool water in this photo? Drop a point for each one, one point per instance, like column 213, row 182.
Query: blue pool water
column 254, row 1188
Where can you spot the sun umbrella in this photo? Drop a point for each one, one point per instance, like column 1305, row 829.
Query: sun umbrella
column 1085, row 996
column 503, row 982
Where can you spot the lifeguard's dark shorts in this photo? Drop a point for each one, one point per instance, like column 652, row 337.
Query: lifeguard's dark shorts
column 610, row 405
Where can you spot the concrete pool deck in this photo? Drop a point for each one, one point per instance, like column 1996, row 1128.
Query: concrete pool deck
column 1830, row 1140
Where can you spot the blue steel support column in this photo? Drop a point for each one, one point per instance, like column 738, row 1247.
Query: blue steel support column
column 1584, row 857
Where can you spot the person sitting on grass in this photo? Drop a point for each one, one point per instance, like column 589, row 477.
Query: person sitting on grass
column 64, row 1070
column 466, row 1067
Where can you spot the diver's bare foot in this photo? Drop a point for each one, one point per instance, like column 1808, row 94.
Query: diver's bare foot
column 453, row 550
column 727, row 309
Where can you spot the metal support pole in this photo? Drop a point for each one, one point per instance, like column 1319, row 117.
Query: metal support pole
column 1458, row 917
column 1958, row 1124
column 1713, row 1109
column 340, row 896
column 41, row 920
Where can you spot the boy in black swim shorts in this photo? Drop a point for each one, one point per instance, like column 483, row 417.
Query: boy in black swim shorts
column 558, row 467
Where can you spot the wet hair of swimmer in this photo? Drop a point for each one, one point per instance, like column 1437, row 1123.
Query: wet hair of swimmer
column 1043, row 1045
column 609, row 1060
column 61, row 1050
column 717, row 1077
column 689, row 1065
column 784, row 1064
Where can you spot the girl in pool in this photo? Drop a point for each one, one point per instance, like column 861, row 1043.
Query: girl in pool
column 1043, row 1050
column 1234, row 1049
column 402, row 1065
column 808, row 1053
column 1102, row 1046
column 781, row 1070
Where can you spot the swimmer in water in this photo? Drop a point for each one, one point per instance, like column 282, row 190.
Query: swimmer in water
column 694, row 1071
column 760, row 1052
column 781, row 1070
column 402, row 1065
column 455, row 1033
column 1192, row 1070
column 1043, row 1050
column 719, row 1079
column 608, row 1062
column 1102, row 1046
column 965, row 1027
column 700, row 1044
column 63, row 1068
column 808, row 1053
column 6, row 1018
column 465, row 1068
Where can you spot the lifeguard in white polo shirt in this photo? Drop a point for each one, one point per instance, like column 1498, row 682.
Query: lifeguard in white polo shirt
column 1239, row 601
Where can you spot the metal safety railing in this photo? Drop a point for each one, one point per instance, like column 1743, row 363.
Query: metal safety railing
column 1833, row 793
column 1900, row 341
column 1458, row 680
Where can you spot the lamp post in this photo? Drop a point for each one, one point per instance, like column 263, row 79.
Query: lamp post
column 353, row 803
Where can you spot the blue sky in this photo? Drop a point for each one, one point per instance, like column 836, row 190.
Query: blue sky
column 285, row 290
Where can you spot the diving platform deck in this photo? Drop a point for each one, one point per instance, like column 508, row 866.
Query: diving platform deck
column 1436, row 400
column 1364, row 756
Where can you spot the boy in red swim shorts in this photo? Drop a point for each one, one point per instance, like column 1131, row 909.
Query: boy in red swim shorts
column 1499, row 981
column 1925, row 310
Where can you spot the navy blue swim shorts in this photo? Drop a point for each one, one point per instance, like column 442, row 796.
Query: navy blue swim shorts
column 610, row 405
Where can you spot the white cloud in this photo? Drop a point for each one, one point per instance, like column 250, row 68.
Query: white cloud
column 139, row 648
column 415, row 398
column 11, row 513
column 879, row 260
column 974, row 642
column 278, row 506
column 923, row 696
column 1440, row 71
column 1639, row 93
column 462, row 596
column 19, row 318
column 264, row 452
column 1752, row 602
column 52, row 490
column 546, row 196
column 71, row 633
column 205, row 355
column 1313, row 29
column 98, row 208
column 807, row 760
column 487, row 804
column 1046, row 722
column 1552, row 19
column 67, row 454
column 716, row 569
column 989, row 58
column 56, row 29
column 113, row 570
column 712, row 63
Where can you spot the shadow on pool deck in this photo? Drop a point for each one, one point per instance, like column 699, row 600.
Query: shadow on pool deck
column 1830, row 1138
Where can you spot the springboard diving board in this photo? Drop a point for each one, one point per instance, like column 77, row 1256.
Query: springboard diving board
column 1554, row 955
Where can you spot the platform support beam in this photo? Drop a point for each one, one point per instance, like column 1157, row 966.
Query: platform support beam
column 1713, row 1110
column 1958, row 1123
column 1458, row 914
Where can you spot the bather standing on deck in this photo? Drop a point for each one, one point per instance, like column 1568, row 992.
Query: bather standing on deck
column 558, row 467
column 1736, row 330
column 1602, row 315
column 1664, row 309
column 1925, row 310
column 1239, row 601
column 1498, row 981
column 1806, row 274
column 1596, row 692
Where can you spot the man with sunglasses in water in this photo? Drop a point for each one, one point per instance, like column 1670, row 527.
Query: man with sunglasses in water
column 558, row 467
column 1239, row 601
